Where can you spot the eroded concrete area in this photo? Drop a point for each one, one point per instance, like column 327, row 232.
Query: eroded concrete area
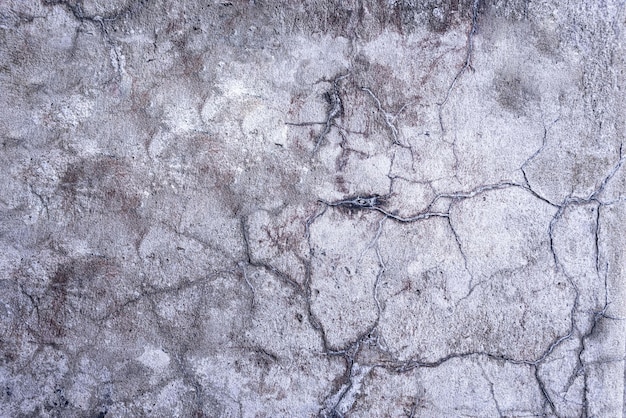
column 333, row 209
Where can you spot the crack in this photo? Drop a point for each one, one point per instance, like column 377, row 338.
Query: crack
column 376, row 203
column 381, row 271
column 17, row 18
column 334, row 111
column 405, row 366
column 306, row 288
column 334, row 400
column 189, row 377
column 557, row 216
column 389, row 119
column 179, row 349
column 544, row 142
column 408, row 365
column 76, row 9
column 559, row 268
column 343, row 399
column 544, row 392
column 492, row 391
column 460, row 247
column 177, row 230
column 374, row 244
column 149, row 291
column 244, row 273
column 414, row 407
column 581, row 364
column 44, row 204
column 611, row 174
column 597, row 240
column 284, row 277
column 474, row 192
column 358, row 202
column 372, row 202
column 304, row 123
column 597, row 316
column 571, row 199
column 467, row 62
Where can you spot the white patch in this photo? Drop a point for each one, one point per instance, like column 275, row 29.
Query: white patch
column 155, row 358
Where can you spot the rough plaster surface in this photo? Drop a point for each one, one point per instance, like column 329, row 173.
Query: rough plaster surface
column 326, row 208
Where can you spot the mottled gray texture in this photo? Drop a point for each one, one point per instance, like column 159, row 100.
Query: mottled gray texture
column 326, row 208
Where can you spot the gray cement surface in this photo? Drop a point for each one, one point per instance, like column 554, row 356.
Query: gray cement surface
column 335, row 208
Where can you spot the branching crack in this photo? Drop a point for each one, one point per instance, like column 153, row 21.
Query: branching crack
column 313, row 320
column 377, row 203
column 611, row 174
column 372, row 202
column 267, row 267
column 544, row 142
column 76, row 8
column 334, row 111
column 332, row 411
column 389, row 119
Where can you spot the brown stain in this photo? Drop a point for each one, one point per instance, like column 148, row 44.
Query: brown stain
column 90, row 278
column 514, row 93
column 104, row 179
column 341, row 184
column 367, row 19
column 52, row 319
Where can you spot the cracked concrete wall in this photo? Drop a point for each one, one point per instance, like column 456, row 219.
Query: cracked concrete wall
column 336, row 209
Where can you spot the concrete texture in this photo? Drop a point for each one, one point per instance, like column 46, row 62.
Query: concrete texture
column 328, row 208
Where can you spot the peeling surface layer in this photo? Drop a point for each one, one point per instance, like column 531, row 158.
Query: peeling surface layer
column 312, row 209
